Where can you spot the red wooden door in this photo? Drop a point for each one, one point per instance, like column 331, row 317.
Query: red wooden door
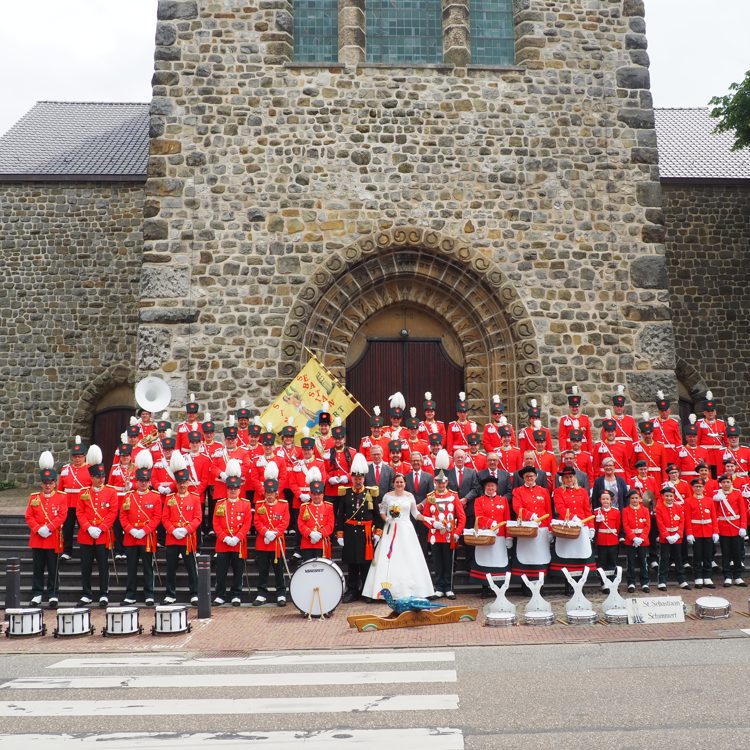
column 107, row 428
column 409, row 366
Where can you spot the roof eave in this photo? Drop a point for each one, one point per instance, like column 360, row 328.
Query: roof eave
column 31, row 177
column 710, row 181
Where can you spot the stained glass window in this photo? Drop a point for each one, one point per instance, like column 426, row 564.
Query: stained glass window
column 404, row 31
column 492, row 40
column 316, row 31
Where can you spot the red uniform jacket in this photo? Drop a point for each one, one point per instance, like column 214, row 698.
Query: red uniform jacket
column 219, row 467
column 233, row 518
column 731, row 514
column 410, row 446
column 567, row 424
column 492, row 510
column 649, row 484
column 655, row 456
column 636, row 523
column 509, row 459
column 742, row 457
column 182, row 443
column 532, row 500
column 323, row 446
column 688, row 458
column 571, row 502
column 50, row 512
column 367, row 443
column 273, row 517
column 122, row 479
column 71, row 481
column 476, row 461
column 700, row 517
column 607, row 524
column 289, row 456
column 425, row 429
column 258, row 470
column 547, row 462
column 316, row 518
column 141, row 510
column 671, row 520
column 526, row 439
column 135, row 450
column 161, row 474
column 453, row 517
column 337, row 464
column 585, row 463
column 456, row 434
column 182, row 511
column 616, row 450
column 712, row 436
column 491, row 440
column 97, row 508
column 201, row 473
column 667, row 432
column 297, row 479
column 626, row 431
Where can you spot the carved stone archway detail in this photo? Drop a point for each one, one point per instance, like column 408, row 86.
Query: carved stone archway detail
column 452, row 280
column 103, row 383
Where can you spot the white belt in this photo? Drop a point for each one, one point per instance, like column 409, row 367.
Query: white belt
column 637, row 531
column 729, row 518
column 607, row 531
column 654, row 468
column 701, row 522
column 674, row 528
column 713, row 447
column 72, row 492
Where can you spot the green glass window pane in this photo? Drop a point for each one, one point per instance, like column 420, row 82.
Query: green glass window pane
column 404, row 31
column 316, row 30
column 492, row 34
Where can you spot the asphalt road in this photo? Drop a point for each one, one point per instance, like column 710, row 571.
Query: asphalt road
column 677, row 694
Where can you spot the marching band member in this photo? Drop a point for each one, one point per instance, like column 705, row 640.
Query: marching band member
column 147, row 428
column 526, row 440
column 574, row 420
column 181, row 517
column 162, row 477
column 97, row 510
column 271, row 521
column 492, row 511
column 509, row 457
column 232, row 520
column 731, row 515
column 259, row 464
column 74, row 478
column 583, row 459
column 610, row 447
column 650, row 451
column 140, row 515
column 209, row 444
column 395, row 452
column 636, row 523
column 544, row 459
column 474, row 459
column 644, row 482
column 132, row 438
column 242, row 415
column 670, row 520
column 712, row 435
column 45, row 515
column 740, row 453
column 253, row 446
column 608, row 526
column 157, row 450
column 324, row 440
column 429, row 424
column 396, row 406
column 297, row 478
column 338, row 462
column 666, row 429
column 625, row 429
column 191, row 424
column 376, row 436
column 413, row 442
column 316, row 520
column 122, row 480
column 460, row 427
column 532, row 503
column 491, row 438
column 702, row 531
column 435, row 444
column 198, row 465
column 691, row 454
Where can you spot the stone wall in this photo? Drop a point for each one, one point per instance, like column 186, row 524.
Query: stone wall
column 279, row 194
column 71, row 255
column 708, row 245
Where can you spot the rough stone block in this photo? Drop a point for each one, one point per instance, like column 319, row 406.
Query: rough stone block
column 656, row 343
column 153, row 347
column 168, row 10
column 166, row 283
column 649, row 272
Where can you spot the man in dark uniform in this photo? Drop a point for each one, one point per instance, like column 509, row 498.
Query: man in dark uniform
column 356, row 520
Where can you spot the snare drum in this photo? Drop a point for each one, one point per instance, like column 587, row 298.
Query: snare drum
column 170, row 619
column 317, row 587
column 22, row 622
column 122, row 621
column 616, row 616
column 539, row 617
column 582, row 617
column 501, row 620
column 712, row 608
column 73, row 621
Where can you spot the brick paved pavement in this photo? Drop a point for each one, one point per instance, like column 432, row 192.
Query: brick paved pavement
column 273, row 629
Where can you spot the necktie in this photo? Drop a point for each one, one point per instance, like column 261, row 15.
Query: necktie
column 416, row 480
column 377, row 474
column 460, row 476
column 494, row 475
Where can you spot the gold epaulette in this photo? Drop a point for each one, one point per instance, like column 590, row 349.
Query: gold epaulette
column 306, row 515
column 221, row 509
column 171, row 502
column 35, row 500
column 126, row 504
column 261, row 510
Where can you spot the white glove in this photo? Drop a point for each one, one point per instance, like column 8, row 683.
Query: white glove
column 746, row 491
column 715, row 538
column 672, row 538
column 44, row 532
column 333, row 480
column 163, row 489
column 456, row 537
column 592, row 534
column 227, row 540
column 637, row 541
column 438, row 526
column 223, row 476
column 340, row 540
column 234, row 541
column 179, row 533
column 94, row 532
column 304, row 496
column 599, row 518
column 508, row 542
column 269, row 536
column 315, row 536
column 575, row 521
column 135, row 533
column 719, row 496
column 690, row 539
column 743, row 533
column 375, row 540
column 534, row 517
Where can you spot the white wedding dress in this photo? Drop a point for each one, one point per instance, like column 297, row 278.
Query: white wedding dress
column 398, row 558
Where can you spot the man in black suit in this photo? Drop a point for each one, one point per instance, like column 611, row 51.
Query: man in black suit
column 420, row 483
column 504, row 479
column 465, row 483
column 541, row 477
column 379, row 473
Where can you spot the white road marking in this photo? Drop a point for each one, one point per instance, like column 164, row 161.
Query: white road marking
column 341, row 739
column 256, row 679
column 231, row 706
column 393, row 658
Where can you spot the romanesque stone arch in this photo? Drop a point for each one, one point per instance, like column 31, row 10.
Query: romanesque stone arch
column 106, row 380
column 456, row 282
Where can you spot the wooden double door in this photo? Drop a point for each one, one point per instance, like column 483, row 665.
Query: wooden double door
column 411, row 366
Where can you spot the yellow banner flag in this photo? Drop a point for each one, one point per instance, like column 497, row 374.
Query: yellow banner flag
column 304, row 397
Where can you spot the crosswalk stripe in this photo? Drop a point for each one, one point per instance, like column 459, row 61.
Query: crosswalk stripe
column 262, row 660
column 231, row 706
column 357, row 739
column 258, row 679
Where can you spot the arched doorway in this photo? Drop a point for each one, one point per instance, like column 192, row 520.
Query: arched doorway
column 111, row 418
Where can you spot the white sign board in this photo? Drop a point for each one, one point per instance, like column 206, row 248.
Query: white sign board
column 655, row 610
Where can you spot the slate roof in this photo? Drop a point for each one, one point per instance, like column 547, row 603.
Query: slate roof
column 689, row 149
column 77, row 141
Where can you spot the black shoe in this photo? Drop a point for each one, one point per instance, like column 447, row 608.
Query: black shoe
column 350, row 596
column 631, row 588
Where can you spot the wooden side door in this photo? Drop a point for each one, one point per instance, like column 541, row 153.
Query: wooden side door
column 108, row 425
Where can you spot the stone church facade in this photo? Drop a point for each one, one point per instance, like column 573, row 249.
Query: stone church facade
column 290, row 202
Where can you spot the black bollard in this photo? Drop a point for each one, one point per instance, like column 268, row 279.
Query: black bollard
column 204, row 586
column 13, row 583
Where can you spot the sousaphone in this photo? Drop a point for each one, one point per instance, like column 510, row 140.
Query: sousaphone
column 153, row 394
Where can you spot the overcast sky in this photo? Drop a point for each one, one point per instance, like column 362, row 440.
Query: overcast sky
column 102, row 50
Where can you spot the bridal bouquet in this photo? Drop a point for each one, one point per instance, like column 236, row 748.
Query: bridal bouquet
column 394, row 511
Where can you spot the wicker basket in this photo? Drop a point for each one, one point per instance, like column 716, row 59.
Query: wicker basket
column 523, row 532
column 563, row 531
column 472, row 537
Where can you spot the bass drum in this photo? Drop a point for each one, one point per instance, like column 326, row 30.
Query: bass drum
column 317, row 587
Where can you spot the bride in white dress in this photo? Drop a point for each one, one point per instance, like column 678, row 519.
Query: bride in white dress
column 398, row 557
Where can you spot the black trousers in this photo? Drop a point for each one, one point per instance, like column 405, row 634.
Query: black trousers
column 356, row 575
column 174, row 553
column 44, row 558
column 207, row 525
column 703, row 552
column 442, row 560
column 637, row 557
column 224, row 561
column 69, row 528
column 89, row 553
column 311, row 554
column 731, row 556
column 670, row 553
column 606, row 557
column 119, row 535
column 135, row 554
column 265, row 563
